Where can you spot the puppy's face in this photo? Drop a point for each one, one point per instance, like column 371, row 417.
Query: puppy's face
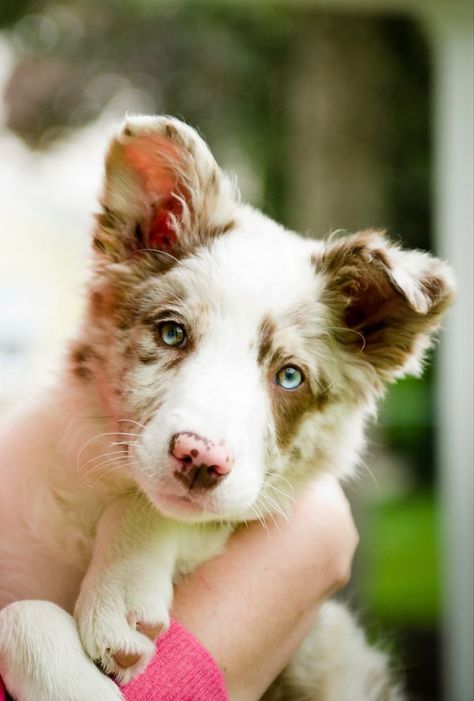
column 248, row 356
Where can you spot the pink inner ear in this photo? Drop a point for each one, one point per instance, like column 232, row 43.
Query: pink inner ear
column 153, row 158
column 161, row 235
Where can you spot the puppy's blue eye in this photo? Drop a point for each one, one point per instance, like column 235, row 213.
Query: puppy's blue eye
column 172, row 333
column 289, row 377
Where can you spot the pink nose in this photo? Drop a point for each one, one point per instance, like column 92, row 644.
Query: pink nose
column 203, row 463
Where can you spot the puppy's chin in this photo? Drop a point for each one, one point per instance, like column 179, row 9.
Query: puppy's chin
column 183, row 508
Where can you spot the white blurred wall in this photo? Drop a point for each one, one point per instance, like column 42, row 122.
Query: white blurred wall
column 46, row 206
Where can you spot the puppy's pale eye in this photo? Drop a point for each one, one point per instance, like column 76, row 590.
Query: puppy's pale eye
column 173, row 334
column 289, row 377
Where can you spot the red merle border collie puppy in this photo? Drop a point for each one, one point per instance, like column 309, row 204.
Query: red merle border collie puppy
column 221, row 358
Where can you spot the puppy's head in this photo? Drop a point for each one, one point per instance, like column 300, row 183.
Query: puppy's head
column 248, row 356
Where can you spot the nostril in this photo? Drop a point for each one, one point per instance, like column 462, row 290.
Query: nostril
column 203, row 463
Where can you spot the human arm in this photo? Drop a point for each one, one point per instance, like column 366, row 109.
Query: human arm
column 252, row 606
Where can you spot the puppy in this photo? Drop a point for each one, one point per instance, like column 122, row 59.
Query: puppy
column 223, row 361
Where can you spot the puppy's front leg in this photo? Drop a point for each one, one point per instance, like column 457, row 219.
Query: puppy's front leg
column 42, row 659
column 127, row 592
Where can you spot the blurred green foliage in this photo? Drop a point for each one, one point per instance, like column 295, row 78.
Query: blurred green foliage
column 12, row 10
column 408, row 416
column 403, row 587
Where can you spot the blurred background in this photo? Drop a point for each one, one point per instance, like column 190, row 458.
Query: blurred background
column 342, row 114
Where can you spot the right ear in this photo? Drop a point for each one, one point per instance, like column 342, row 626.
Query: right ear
column 386, row 302
column 163, row 191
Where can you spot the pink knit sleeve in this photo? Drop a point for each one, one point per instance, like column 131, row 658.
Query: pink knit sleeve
column 182, row 670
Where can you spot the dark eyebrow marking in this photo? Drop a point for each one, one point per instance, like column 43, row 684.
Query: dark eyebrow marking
column 266, row 336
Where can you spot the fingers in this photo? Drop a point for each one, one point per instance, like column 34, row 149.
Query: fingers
column 151, row 631
column 126, row 660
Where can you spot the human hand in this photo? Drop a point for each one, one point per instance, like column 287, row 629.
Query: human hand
column 253, row 605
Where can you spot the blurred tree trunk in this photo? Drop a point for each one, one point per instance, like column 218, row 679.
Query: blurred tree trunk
column 337, row 131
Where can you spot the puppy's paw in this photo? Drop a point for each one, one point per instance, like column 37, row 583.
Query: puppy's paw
column 119, row 632
column 85, row 684
column 42, row 659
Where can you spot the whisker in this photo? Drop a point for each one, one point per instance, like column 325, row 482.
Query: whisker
column 108, row 468
column 129, row 443
column 260, row 518
column 277, row 508
column 101, row 435
column 255, row 510
column 372, row 475
column 269, row 485
column 131, row 421
column 99, row 473
column 277, row 475
column 102, row 455
column 270, row 511
column 104, row 463
column 106, row 472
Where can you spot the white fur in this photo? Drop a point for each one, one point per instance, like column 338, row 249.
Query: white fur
column 43, row 658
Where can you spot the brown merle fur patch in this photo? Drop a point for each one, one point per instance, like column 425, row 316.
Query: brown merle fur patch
column 266, row 340
column 291, row 407
column 137, row 360
column 372, row 314
column 80, row 356
column 289, row 410
column 213, row 232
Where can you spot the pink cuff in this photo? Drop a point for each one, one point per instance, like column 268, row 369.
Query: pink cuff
column 182, row 670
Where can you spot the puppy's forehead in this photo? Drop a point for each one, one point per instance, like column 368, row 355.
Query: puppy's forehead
column 255, row 269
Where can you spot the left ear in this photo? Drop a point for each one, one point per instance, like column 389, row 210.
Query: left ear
column 386, row 302
column 163, row 191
